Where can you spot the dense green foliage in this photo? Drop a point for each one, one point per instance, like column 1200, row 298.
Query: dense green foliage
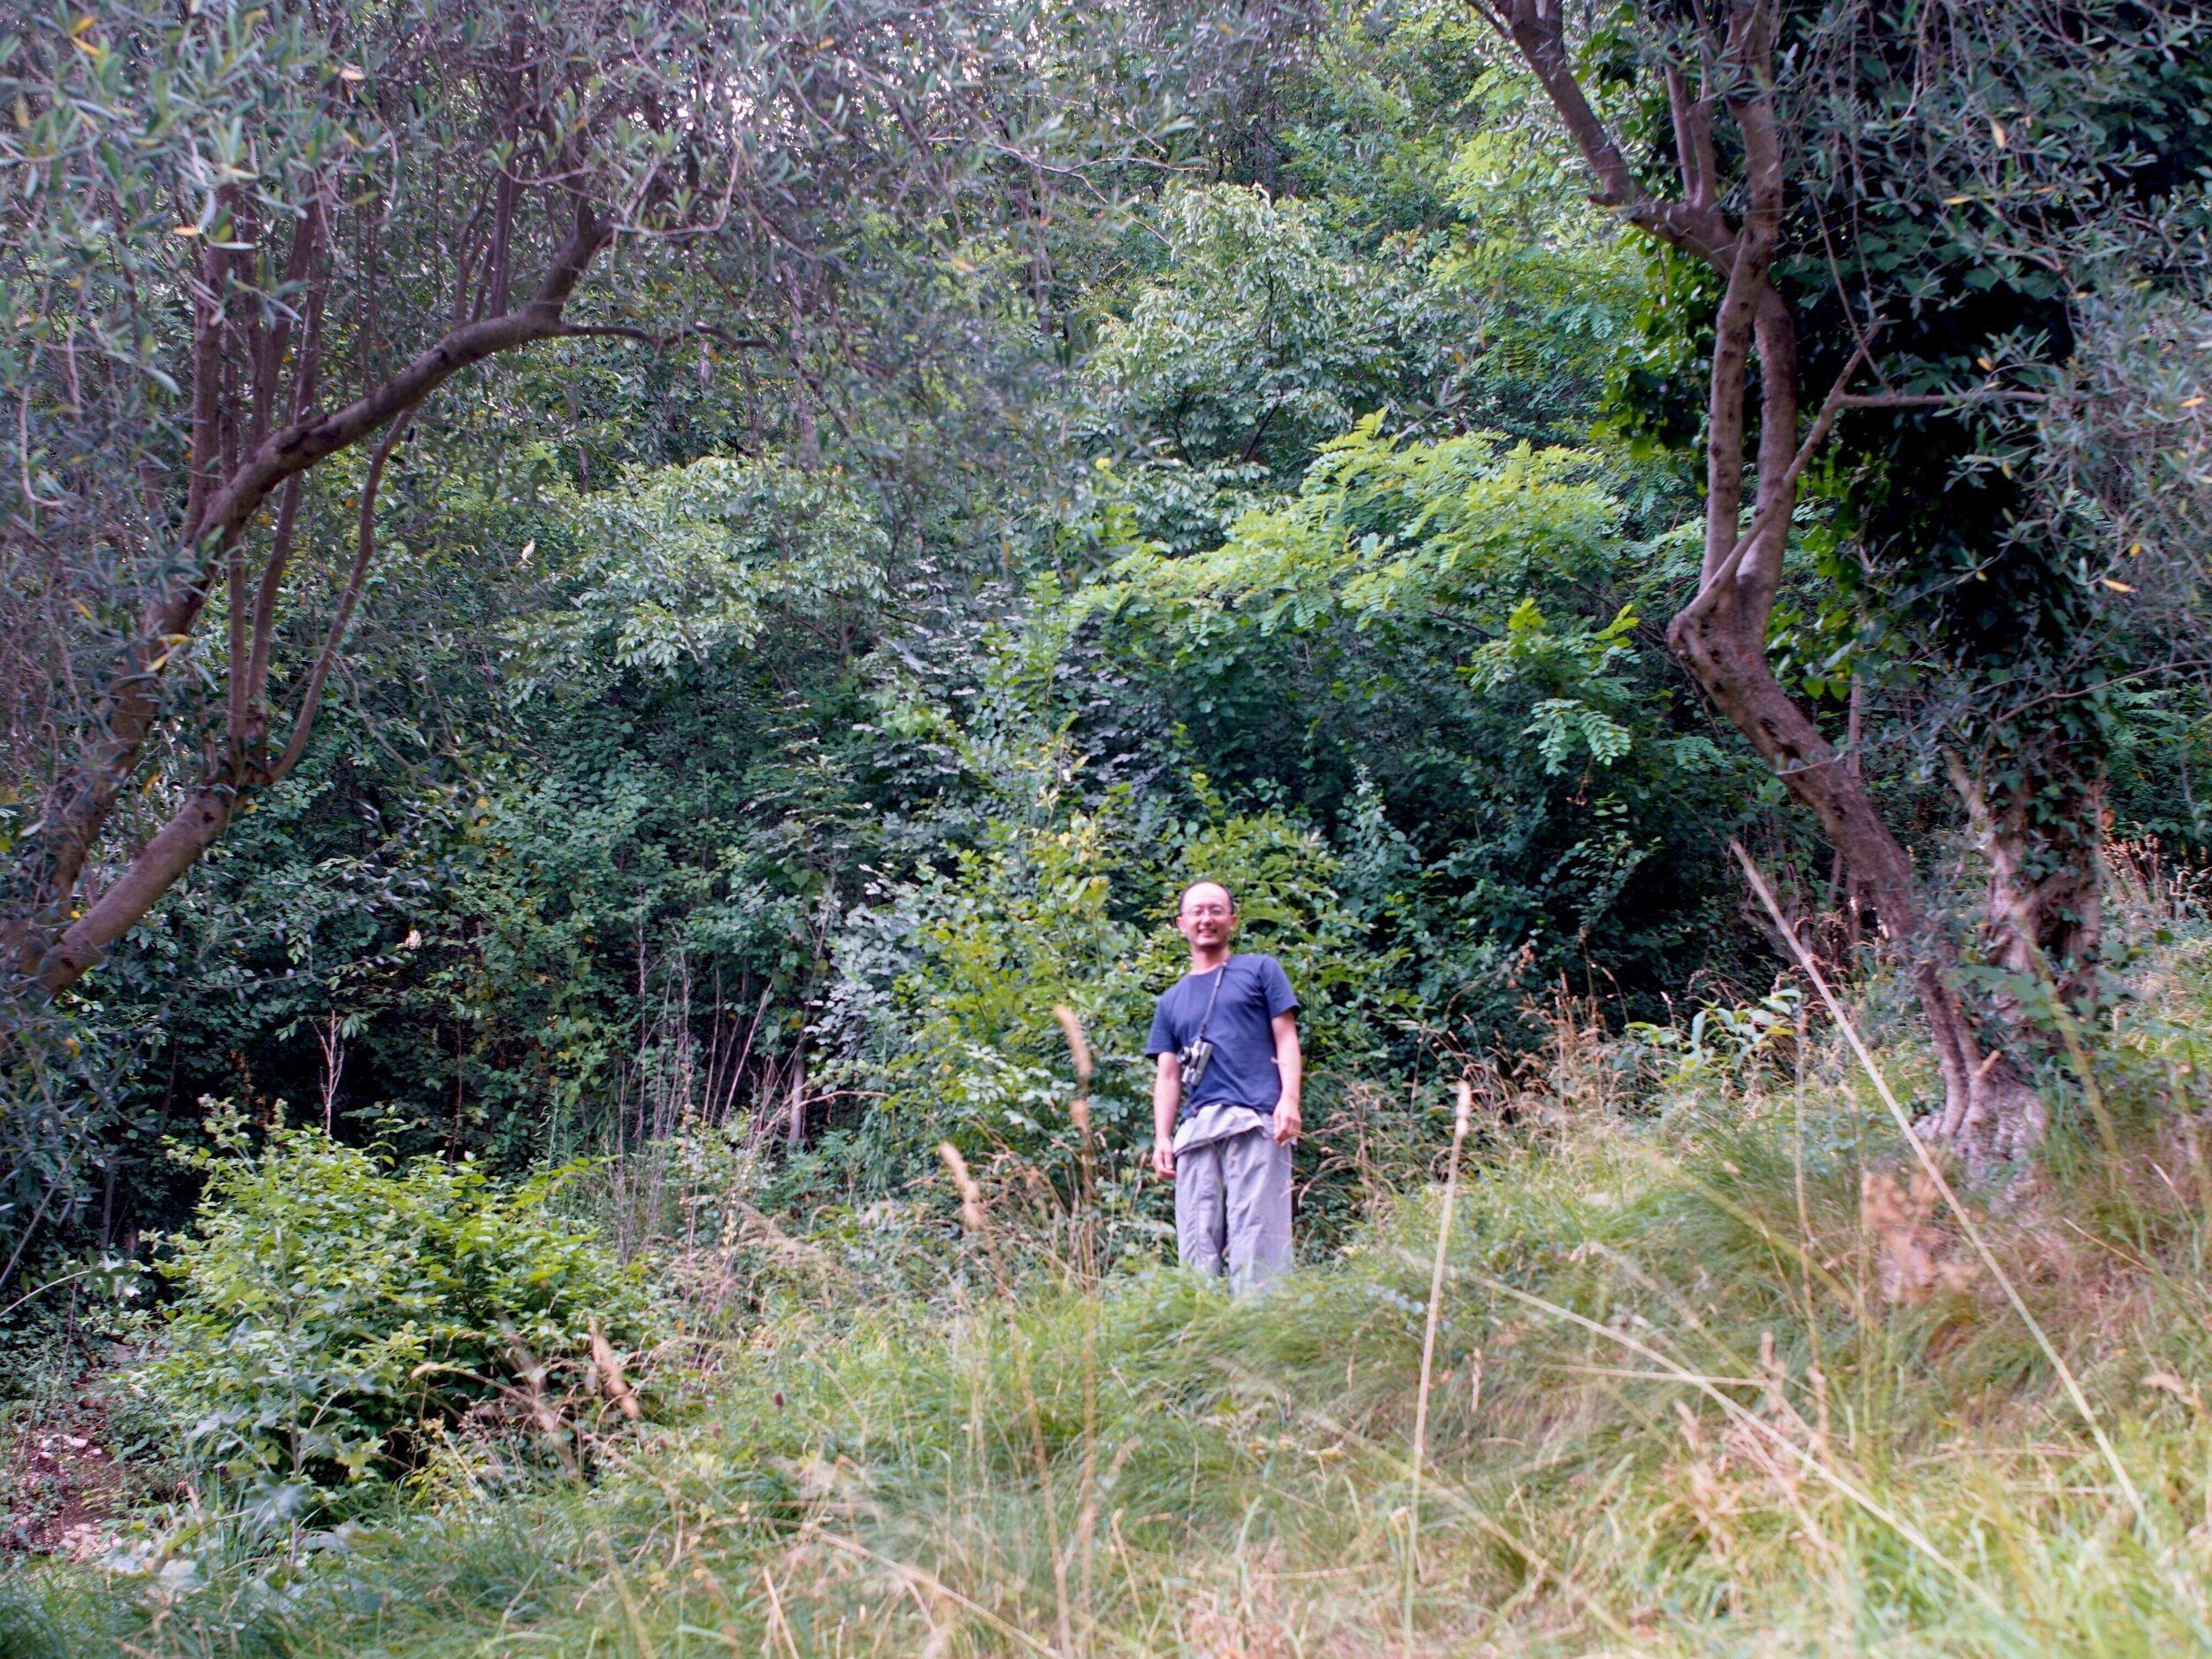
column 1959, row 187
column 649, row 756
column 331, row 1316
column 1689, row 1392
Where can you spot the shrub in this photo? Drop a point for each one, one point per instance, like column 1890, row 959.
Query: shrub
column 335, row 1313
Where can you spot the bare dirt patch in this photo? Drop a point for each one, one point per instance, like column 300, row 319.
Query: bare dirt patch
column 63, row 1483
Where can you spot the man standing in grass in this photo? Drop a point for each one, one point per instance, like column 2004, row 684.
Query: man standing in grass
column 1224, row 1102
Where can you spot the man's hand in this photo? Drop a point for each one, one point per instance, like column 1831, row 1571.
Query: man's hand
column 1164, row 1159
column 1288, row 1124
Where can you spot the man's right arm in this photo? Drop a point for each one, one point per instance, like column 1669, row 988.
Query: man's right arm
column 1167, row 1098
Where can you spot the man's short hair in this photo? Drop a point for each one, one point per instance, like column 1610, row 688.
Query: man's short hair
column 1183, row 898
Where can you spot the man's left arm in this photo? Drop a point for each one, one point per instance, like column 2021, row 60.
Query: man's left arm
column 1291, row 1062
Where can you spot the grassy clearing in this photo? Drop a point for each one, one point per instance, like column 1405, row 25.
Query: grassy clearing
column 1725, row 1382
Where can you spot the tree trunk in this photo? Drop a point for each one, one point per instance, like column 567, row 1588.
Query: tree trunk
column 1990, row 1114
column 173, row 848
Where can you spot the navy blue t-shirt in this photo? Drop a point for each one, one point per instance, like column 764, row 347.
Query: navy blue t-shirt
column 1242, row 1072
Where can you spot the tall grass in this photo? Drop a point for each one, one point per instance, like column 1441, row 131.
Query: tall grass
column 1724, row 1380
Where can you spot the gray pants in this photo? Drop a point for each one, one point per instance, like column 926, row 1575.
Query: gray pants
column 1232, row 1208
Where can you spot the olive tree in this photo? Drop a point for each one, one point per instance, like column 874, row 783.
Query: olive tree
column 242, row 248
column 1838, row 181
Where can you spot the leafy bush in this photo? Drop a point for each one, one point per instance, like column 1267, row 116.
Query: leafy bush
column 334, row 1312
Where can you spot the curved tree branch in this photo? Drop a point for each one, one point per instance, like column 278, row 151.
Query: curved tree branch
column 316, row 438
column 215, row 521
column 1700, row 228
column 1720, row 634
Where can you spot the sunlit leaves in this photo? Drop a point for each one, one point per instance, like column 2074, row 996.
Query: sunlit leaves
column 1385, row 533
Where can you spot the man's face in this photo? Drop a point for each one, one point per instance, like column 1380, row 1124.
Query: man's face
column 1207, row 918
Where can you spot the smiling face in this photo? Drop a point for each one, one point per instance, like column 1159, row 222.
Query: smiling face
column 1206, row 917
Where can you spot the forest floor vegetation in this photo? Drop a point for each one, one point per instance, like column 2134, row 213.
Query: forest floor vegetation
column 1714, row 1372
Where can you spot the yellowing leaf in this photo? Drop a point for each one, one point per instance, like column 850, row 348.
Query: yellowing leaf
column 1956, row 200
column 2191, row 403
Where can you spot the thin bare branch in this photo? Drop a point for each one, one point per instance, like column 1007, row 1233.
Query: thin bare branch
column 645, row 336
column 1693, row 141
column 364, row 554
column 264, row 632
column 304, row 442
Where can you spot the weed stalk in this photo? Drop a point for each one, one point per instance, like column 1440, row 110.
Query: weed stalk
column 1428, row 1351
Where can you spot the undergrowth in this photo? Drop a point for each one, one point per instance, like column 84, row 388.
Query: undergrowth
column 1722, row 1378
